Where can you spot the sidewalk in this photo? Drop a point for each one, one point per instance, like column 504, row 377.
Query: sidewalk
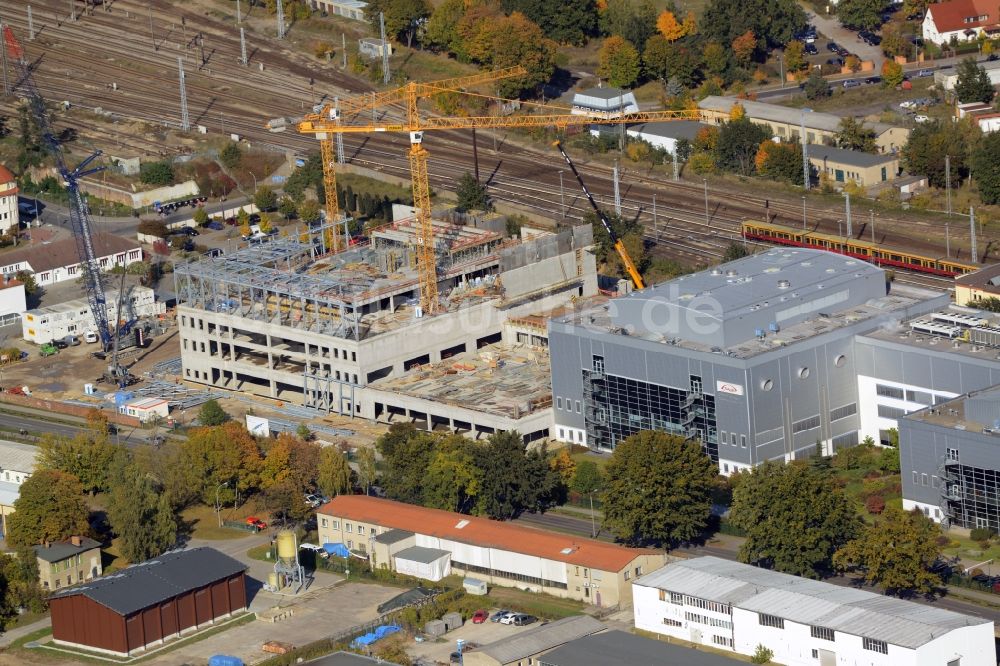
column 9, row 637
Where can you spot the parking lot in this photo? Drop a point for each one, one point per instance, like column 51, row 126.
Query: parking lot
column 437, row 652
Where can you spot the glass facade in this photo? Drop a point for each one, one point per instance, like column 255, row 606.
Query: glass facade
column 971, row 496
column 617, row 407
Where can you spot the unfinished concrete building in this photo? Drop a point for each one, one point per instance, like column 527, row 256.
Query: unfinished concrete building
column 340, row 333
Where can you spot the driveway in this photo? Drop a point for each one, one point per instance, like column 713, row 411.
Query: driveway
column 828, row 25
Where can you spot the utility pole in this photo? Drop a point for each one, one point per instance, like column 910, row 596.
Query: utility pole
column 618, row 198
column 947, row 239
column 803, row 213
column 847, row 199
column 705, row 181
column 343, row 49
column 281, row 20
column 152, row 35
column 31, row 26
column 805, row 149
column 243, row 47
column 239, row 14
column 656, row 232
column 201, row 46
column 677, row 171
column 72, row 10
column 947, row 180
column 385, row 67
column 475, row 149
column 562, row 195
column 871, row 217
column 185, row 120
column 972, row 228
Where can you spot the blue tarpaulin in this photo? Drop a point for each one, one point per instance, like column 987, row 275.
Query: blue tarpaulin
column 338, row 549
column 379, row 633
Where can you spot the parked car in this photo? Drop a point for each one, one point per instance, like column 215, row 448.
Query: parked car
column 873, row 79
column 523, row 619
column 71, row 341
column 91, row 337
column 500, row 615
column 832, row 47
column 47, row 350
column 480, row 616
column 837, row 62
column 908, row 104
column 215, row 225
column 842, row 52
column 60, row 343
column 851, row 83
column 256, row 523
column 925, row 72
column 811, row 49
column 312, row 500
column 921, row 118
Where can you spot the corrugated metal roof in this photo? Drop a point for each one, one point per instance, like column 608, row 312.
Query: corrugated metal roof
column 542, row 638
column 422, row 554
column 826, row 122
column 852, row 611
column 156, row 580
column 17, row 457
column 619, row 647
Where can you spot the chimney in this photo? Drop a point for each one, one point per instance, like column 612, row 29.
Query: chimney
column 75, row 540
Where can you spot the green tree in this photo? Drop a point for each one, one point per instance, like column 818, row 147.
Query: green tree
column 896, row 553
column 303, row 432
column 794, row 55
column 453, row 480
column 442, row 26
column 666, row 61
column 139, row 514
column 265, row 199
column 367, row 472
column 715, row 57
column 861, row 14
column 854, row 135
column 816, row 86
column 156, row 173
column 513, row 480
column 623, row 228
column 618, row 62
column 739, row 141
column 892, row 74
column 973, row 83
column 633, row 20
column 495, row 41
column 986, row 169
column 471, row 195
column 894, row 43
column 309, row 211
column 27, row 278
column 406, row 453
column 287, row 208
column 658, row 489
column 403, row 18
column 50, row 507
column 200, row 217
column 587, row 479
column 565, row 21
column 780, row 161
column 222, row 454
column 774, row 22
column 230, row 155
column 735, row 251
column 87, row 456
column 928, row 144
column 211, row 413
column 762, row 655
column 794, row 518
column 334, row 474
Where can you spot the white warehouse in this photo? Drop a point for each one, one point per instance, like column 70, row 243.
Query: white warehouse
column 726, row 604
column 75, row 318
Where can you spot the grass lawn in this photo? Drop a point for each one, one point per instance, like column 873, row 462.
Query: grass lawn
column 539, row 605
column 204, row 524
column 581, row 453
column 111, row 558
column 967, row 549
column 363, row 184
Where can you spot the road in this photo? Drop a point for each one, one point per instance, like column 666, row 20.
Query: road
column 16, row 422
column 724, row 549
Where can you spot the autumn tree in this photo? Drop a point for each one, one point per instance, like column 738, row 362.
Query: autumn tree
column 892, row 74
column 453, row 480
column 658, row 489
column 896, row 553
column 794, row 56
column 495, row 41
column 333, row 474
column 794, row 518
column 50, row 507
column 402, row 17
column 780, row 161
column 744, row 48
column 88, row 456
column 292, row 459
column 562, row 462
column 226, row 454
column 618, row 62
column 669, row 27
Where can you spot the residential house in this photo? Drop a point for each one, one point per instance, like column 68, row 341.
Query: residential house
column 840, row 166
column 17, row 463
column 59, row 260
column 68, row 562
column 960, row 21
column 9, row 217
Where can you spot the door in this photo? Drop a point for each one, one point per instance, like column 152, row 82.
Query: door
column 839, row 175
column 827, row 658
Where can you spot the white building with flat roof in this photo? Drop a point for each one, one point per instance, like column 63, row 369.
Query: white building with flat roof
column 17, row 463
column 734, row 606
column 74, row 317
column 146, row 409
column 9, row 218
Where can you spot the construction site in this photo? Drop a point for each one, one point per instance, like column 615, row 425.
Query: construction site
column 346, row 332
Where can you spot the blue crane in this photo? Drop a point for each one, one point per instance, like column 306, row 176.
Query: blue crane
column 79, row 214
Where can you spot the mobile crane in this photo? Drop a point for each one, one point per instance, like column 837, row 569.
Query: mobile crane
column 618, row 245
column 79, row 214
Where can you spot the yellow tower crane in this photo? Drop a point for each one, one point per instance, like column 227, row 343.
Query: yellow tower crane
column 326, row 124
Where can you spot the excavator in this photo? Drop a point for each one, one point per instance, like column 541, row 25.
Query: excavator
column 618, row 245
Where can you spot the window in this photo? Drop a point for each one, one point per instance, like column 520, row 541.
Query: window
column 824, row 633
column 598, row 364
column 638, row 571
column 815, row 653
column 770, row 621
column 627, row 574
column 952, row 454
column 347, row 527
column 322, row 522
column 843, row 412
column 743, row 441
column 889, row 392
column 713, row 606
column 335, row 525
column 361, row 529
column 579, row 407
column 676, row 598
column 806, row 424
column 670, row 622
column 350, row 544
column 887, row 412
column 722, row 640
column 874, row 645
column 558, row 403
column 923, row 479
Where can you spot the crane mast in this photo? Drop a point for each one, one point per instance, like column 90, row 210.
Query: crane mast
column 79, row 214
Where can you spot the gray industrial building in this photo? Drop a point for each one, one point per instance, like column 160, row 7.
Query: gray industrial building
column 765, row 358
column 331, row 332
column 948, row 454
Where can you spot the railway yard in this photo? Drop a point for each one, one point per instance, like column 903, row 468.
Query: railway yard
column 119, row 58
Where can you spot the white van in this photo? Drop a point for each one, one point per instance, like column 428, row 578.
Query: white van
column 91, row 337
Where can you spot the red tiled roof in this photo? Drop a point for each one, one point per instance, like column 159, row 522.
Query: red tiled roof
column 5, row 175
column 483, row 532
column 950, row 16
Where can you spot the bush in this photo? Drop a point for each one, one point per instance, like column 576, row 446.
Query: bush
column 875, row 504
column 942, row 541
column 230, row 155
column 763, row 655
column 156, row 173
column 153, row 228
column 982, row 534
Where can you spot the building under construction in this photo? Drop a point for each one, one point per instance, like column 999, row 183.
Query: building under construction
column 344, row 333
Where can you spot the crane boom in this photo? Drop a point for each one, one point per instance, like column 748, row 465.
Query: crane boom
column 79, row 215
column 618, row 245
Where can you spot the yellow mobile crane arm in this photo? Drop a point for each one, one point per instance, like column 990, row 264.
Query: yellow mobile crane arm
column 619, row 246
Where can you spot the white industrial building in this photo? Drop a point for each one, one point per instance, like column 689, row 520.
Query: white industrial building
column 604, row 103
column 59, row 261
column 8, row 201
column 17, row 463
column 665, row 135
column 12, row 299
column 352, row 9
column 947, row 78
column 75, row 318
column 728, row 605
column 146, row 409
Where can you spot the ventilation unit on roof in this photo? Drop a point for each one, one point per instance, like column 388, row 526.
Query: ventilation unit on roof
column 784, row 284
column 732, row 273
column 462, row 523
column 715, row 271
column 567, row 551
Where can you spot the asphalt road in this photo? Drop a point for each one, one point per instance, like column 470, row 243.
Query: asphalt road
column 12, row 422
column 581, row 527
